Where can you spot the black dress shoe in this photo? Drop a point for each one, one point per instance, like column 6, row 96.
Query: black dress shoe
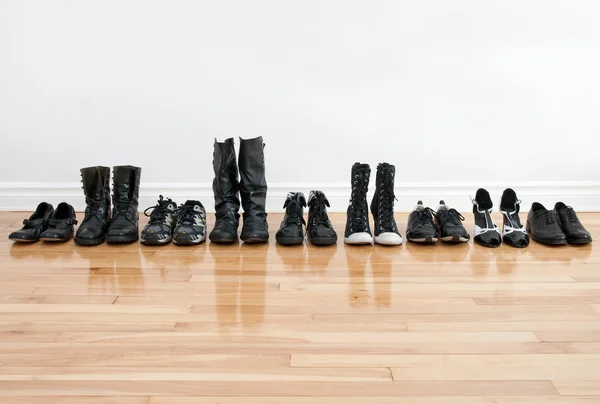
column 35, row 225
column 570, row 224
column 544, row 227
column 319, row 230
column 486, row 232
column 60, row 226
column 291, row 231
column 513, row 232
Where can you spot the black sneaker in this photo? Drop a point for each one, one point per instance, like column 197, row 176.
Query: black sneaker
column 191, row 224
column 358, row 230
column 159, row 229
column 291, row 230
column 513, row 232
column 570, row 224
column 486, row 232
column 382, row 207
column 421, row 227
column 319, row 230
column 449, row 221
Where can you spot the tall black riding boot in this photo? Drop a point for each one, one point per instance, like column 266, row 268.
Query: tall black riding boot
column 253, row 190
column 96, row 187
column 123, row 227
column 225, row 188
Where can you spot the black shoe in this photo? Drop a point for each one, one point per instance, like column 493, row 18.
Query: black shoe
column 225, row 188
column 421, row 227
column 513, row 232
column 159, row 229
column 253, row 190
column 190, row 228
column 319, row 230
column 96, row 187
column 291, row 230
column 449, row 221
column 60, row 226
column 358, row 229
column 570, row 224
column 382, row 207
column 486, row 232
column 123, row 227
column 35, row 225
column 543, row 226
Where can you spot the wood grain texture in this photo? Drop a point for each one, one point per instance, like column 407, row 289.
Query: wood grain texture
column 266, row 324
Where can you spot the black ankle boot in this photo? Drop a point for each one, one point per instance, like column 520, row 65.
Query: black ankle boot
column 123, row 227
column 96, row 187
column 253, row 190
column 382, row 207
column 225, row 188
column 291, row 231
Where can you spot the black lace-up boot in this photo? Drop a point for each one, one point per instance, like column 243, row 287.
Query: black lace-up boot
column 123, row 227
column 358, row 230
column 96, row 187
column 382, row 206
column 225, row 188
column 319, row 229
column 291, row 231
column 253, row 190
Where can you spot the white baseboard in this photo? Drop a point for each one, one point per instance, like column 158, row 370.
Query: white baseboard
column 583, row 196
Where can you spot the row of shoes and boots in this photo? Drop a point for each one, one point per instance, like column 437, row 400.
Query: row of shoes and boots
column 186, row 224
column 555, row 227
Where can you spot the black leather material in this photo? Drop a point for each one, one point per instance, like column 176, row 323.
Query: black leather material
column 543, row 226
column 123, row 227
column 449, row 222
column 421, row 226
column 253, row 190
column 486, row 232
column 61, row 224
column 96, row 187
column 291, row 230
column 382, row 204
column 35, row 225
column 570, row 224
column 510, row 206
column 319, row 229
column 225, row 188
column 357, row 214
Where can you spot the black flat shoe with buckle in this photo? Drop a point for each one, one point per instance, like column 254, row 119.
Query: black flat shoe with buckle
column 34, row 226
column 61, row 224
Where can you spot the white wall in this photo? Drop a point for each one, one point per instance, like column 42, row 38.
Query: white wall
column 458, row 94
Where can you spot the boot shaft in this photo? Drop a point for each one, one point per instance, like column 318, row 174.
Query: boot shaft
column 360, row 177
column 126, row 190
column 253, row 183
column 357, row 215
column 225, row 183
column 384, row 185
column 96, row 188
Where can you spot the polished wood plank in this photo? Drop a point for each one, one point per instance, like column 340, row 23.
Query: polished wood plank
column 269, row 324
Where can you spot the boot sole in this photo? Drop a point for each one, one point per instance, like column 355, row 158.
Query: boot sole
column 580, row 241
column 21, row 240
column 55, row 240
column 255, row 240
column 323, row 241
column 290, row 240
column 121, row 239
column 223, row 240
column 89, row 242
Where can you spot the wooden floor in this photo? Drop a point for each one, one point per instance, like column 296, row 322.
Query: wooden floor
column 267, row 324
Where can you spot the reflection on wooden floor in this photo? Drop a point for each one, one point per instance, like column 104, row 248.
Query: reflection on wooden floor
column 267, row 324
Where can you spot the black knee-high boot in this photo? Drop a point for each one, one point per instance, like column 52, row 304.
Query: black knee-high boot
column 253, row 190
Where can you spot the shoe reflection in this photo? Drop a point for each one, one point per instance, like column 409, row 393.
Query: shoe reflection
column 357, row 258
column 240, row 284
column 381, row 266
column 318, row 259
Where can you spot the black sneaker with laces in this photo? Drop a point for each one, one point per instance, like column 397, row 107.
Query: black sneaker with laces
column 319, row 230
column 486, row 232
column 358, row 230
column 291, row 230
column 421, row 227
column 190, row 227
column 382, row 207
column 449, row 221
column 570, row 224
column 543, row 226
column 159, row 229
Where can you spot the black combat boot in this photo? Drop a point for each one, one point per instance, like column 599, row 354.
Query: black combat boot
column 253, row 190
column 123, row 227
column 291, row 231
column 226, row 188
column 96, row 187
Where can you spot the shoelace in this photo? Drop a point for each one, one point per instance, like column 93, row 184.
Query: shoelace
column 425, row 216
column 386, row 202
column 450, row 215
column 572, row 216
column 159, row 211
column 358, row 215
column 186, row 214
column 548, row 217
column 319, row 214
column 292, row 212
